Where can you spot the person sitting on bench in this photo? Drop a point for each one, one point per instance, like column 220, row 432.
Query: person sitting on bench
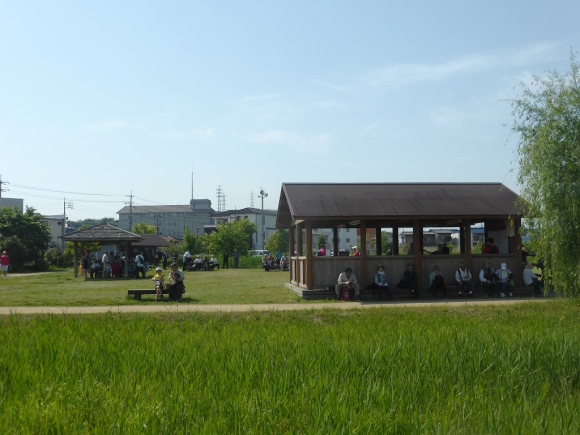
column 159, row 281
column 504, row 277
column 530, row 279
column 436, row 282
column 487, row 277
column 382, row 283
column 347, row 279
column 463, row 278
column 176, row 287
column 410, row 280
column 284, row 262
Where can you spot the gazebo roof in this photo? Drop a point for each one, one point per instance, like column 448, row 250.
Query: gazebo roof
column 152, row 241
column 102, row 233
column 432, row 202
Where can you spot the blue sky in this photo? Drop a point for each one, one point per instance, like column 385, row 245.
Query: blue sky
column 108, row 97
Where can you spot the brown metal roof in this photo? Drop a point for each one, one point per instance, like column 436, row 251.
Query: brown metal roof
column 152, row 241
column 384, row 201
column 101, row 233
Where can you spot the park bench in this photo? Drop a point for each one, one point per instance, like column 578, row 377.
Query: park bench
column 137, row 293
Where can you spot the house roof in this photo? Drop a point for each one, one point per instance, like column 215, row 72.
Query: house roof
column 247, row 210
column 157, row 209
column 101, row 233
column 437, row 204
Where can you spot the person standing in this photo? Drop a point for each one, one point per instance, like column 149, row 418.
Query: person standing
column 5, row 263
column 236, row 256
column 278, row 257
column 226, row 259
column 165, row 257
column 139, row 263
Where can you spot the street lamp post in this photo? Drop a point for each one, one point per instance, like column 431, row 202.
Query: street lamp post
column 263, row 195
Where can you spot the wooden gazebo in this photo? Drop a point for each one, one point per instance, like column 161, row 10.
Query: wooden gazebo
column 307, row 206
column 104, row 234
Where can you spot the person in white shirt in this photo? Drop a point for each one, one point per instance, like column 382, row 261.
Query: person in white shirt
column 463, row 278
column 504, row 276
column 530, row 279
column 347, row 279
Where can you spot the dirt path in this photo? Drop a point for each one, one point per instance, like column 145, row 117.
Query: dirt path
column 182, row 308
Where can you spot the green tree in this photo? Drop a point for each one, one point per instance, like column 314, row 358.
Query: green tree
column 192, row 242
column 93, row 222
column 278, row 241
column 143, row 228
column 230, row 236
column 28, row 228
column 321, row 241
column 547, row 120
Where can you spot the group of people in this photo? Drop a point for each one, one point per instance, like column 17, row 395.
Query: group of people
column 494, row 282
column 199, row 263
column 269, row 261
column 112, row 265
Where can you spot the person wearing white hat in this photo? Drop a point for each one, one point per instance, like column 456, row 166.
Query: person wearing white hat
column 504, row 276
column 356, row 253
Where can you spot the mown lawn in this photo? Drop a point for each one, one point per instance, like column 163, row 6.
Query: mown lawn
column 439, row 370
column 229, row 286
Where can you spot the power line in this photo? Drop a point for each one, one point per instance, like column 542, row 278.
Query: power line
column 62, row 191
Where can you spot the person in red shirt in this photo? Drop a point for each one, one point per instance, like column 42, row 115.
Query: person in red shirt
column 489, row 247
column 356, row 253
column 4, row 262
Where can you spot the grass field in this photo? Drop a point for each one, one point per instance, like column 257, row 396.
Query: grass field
column 229, row 286
column 440, row 370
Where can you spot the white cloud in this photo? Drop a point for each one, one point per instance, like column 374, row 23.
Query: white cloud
column 405, row 74
column 173, row 134
column 335, row 87
column 316, row 144
column 262, row 97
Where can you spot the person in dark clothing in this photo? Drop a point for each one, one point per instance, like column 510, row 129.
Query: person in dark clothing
column 226, row 259
column 176, row 287
column 436, row 282
column 410, row 280
column 165, row 257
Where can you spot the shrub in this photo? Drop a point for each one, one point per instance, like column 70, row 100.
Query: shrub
column 17, row 252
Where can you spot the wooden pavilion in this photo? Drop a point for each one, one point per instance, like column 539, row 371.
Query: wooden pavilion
column 105, row 234
column 307, row 206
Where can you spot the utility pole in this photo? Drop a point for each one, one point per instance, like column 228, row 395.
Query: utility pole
column 252, row 199
column 157, row 216
column 63, row 223
column 1, row 183
column 130, row 211
column 263, row 195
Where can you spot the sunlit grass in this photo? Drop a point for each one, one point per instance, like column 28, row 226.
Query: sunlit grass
column 229, row 286
column 470, row 370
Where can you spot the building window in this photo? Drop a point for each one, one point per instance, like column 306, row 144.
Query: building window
column 347, row 240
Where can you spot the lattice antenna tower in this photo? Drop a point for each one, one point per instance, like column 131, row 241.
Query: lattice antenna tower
column 252, row 199
column 221, row 199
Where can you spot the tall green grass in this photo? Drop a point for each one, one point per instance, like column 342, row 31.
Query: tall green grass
column 473, row 370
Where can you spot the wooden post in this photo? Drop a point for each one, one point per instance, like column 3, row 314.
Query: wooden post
column 518, row 272
column 76, row 260
column 127, row 252
column 468, row 244
column 363, row 254
column 335, row 240
column 291, row 234
column 395, row 240
column 309, row 258
column 379, row 241
column 299, row 239
column 417, row 243
column 462, row 238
